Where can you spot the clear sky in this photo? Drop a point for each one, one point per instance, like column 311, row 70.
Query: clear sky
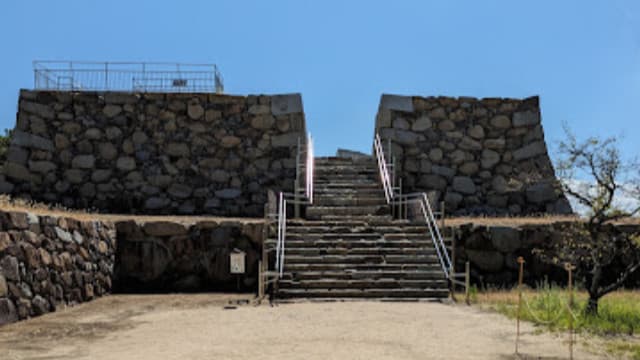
column 582, row 57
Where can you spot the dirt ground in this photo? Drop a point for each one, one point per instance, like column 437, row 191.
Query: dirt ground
column 199, row 327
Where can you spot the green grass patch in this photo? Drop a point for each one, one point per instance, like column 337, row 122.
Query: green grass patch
column 617, row 322
column 549, row 306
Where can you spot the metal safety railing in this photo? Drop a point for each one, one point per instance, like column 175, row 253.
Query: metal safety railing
column 127, row 76
column 395, row 198
column 427, row 213
column 300, row 196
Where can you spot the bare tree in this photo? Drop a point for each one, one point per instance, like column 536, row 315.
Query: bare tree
column 604, row 255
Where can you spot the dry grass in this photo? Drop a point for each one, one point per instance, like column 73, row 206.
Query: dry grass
column 524, row 220
column 9, row 204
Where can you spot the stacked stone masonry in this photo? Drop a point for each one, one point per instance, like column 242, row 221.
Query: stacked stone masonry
column 481, row 156
column 149, row 153
column 492, row 252
column 47, row 262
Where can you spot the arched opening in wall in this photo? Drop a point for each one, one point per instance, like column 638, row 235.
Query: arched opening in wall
column 166, row 257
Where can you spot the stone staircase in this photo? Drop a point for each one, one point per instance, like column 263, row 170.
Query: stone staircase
column 350, row 247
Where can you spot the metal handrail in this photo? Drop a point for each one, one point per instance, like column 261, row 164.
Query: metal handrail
column 392, row 197
column 285, row 198
column 309, row 169
column 127, row 76
column 382, row 168
column 436, row 236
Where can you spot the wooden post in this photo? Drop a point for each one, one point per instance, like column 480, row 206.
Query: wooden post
column 452, row 271
column 570, row 269
column 467, row 282
column 260, row 281
column 520, row 277
column 263, row 264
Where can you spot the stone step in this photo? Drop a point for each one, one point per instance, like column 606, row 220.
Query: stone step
column 360, row 259
column 350, row 192
column 393, row 232
column 342, row 244
column 351, row 185
column 349, row 201
column 362, row 284
column 316, row 212
column 368, row 293
column 291, row 250
column 368, row 219
column 358, row 236
column 346, row 223
column 365, row 274
column 346, row 171
column 355, row 237
column 346, row 183
column 336, row 160
column 316, row 229
column 362, row 267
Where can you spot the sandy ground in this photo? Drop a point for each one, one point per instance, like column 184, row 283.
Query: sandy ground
column 198, row 327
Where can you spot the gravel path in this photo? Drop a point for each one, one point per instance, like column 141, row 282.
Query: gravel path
column 198, row 327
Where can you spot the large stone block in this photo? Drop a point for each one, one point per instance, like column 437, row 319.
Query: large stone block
column 541, row 193
column 26, row 140
column 9, row 267
column 529, row 151
column 8, row 312
column 489, row 261
column 396, row 102
column 526, row 118
column 505, row 239
column 286, row 104
column 164, row 228
column 464, row 185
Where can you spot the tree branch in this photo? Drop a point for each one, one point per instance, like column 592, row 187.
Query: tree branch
column 623, row 277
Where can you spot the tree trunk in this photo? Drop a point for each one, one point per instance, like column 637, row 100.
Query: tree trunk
column 592, row 305
column 594, row 293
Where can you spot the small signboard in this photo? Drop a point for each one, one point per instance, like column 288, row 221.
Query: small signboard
column 237, row 261
column 179, row 83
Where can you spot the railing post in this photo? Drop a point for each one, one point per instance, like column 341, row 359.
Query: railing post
column 296, row 186
column 106, row 76
column 402, row 214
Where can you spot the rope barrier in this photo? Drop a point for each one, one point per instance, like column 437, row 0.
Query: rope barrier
column 564, row 307
column 536, row 318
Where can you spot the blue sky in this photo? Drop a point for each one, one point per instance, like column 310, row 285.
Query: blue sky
column 581, row 57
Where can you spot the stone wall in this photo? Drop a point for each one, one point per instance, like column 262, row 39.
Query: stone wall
column 493, row 251
column 164, row 256
column 481, row 156
column 149, row 153
column 47, row 262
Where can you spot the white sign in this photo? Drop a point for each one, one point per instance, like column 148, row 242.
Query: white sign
column 237, row 262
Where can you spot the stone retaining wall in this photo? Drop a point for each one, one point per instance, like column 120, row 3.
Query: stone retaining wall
column 47, row 262
column 165, row 256
column 493, row 250
column 480, row 156
column 149, row 153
